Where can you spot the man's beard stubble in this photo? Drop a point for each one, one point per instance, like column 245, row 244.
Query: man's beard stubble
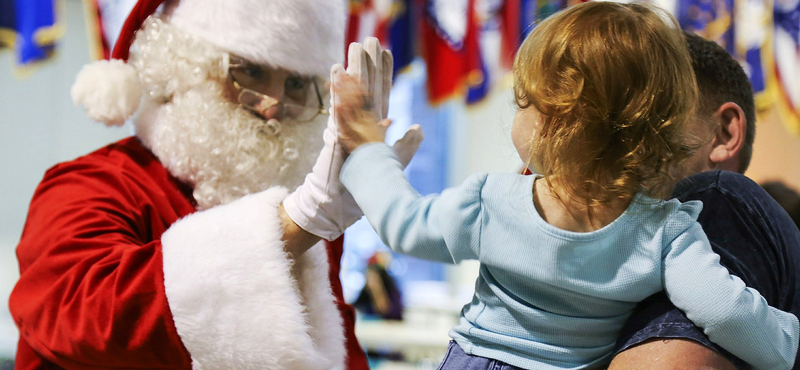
column 225, row 152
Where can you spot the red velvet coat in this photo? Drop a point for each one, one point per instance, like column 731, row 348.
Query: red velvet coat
column 117, row 270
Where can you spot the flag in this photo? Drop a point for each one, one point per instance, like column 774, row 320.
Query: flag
column 518, row 17
column 753, row 46
column 361, row 21
column 391, row 21
column 31, row 28
column 99, row 45
column 8, row 24
column 479, row 84
column 786, row 64
column 396, row 30
column 489, row 20
column 104, row 20
column 450, row 46
column 511, row 26
column 546, row 8
column 712, row 20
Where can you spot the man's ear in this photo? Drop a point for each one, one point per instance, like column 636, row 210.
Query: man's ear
column 729, row 136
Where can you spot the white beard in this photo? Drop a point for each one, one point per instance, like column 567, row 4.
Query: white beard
column 223, row 151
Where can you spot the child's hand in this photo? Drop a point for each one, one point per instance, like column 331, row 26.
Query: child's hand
column 355, row 112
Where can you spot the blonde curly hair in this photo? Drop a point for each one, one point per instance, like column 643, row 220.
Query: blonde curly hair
column 613, row 88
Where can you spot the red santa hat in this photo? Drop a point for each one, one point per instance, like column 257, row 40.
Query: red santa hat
column 304, row 36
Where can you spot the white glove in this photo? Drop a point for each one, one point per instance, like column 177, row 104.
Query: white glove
column 321, row 205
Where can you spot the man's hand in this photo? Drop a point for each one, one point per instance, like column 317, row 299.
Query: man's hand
column 321, row 206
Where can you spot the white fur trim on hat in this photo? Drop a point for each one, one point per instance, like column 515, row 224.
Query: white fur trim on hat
column 238, row 301
column 305, row 36
column 109, row 91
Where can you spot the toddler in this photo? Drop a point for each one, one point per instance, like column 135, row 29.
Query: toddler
column 604, row 92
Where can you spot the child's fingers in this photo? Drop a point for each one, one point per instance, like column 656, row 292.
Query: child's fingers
column 352, row 118
column 337, row 71
column 350, row 96
column 351, row 93
column 345, row 112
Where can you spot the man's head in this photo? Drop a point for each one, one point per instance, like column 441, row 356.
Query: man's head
column 203, row 134
column 725, row 119
column 225, row 86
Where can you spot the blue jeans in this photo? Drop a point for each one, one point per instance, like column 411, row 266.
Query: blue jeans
column 457, row 359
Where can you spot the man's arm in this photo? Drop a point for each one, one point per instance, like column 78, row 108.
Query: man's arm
column 102, row 287
column 296, row 240
column 734, row 316
column 90, row 292
column 670, row 354
column 756, row 241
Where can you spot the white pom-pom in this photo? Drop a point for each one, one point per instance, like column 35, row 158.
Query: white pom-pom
column 109, row 91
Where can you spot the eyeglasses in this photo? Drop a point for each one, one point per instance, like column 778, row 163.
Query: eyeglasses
column 301, row 100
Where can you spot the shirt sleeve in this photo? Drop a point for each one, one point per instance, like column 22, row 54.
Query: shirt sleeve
column 111, row 278
column 440, row 227
column 732, row 315
column 90, row 293
column 755, row 239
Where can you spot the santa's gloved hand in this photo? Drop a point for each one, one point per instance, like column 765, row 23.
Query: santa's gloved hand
column 321, row 205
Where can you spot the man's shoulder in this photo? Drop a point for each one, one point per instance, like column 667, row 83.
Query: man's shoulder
column 124, row 172
column 755, row 238
column 735, row 186
column 114, row 168
column 126, row 158
column 120, row 154
column 733, row 198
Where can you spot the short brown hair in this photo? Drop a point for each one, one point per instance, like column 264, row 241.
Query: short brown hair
column 613, row 87
column 721, row 79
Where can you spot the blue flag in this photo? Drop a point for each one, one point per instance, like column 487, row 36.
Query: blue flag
column 786, row 40
column 754, row 23
column 712, row 20
column 527, row 16
column 788, row 19
column 30, row 27
column 8, row 24
column 401, row 35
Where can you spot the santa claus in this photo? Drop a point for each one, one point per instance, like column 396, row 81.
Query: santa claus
column 194, row 243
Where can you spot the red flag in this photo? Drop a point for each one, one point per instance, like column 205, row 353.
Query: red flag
column 98, row 41
column 361, row 21
column 450, row 38
column 510, row 31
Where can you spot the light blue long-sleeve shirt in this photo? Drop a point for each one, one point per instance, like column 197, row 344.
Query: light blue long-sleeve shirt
column 547, row 298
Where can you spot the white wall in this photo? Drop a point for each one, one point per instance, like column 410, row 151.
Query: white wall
column 39, row 127
column 483, row 144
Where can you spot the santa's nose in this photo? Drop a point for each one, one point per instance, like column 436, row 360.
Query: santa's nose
column 264, row 105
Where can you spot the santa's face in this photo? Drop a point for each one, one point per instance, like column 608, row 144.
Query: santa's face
column 272, row 92
column 201, row 132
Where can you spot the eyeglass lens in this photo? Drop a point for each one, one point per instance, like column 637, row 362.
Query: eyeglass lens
column 300, row 98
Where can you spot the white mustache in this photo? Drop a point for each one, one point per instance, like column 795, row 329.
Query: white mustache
column 225, row 151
